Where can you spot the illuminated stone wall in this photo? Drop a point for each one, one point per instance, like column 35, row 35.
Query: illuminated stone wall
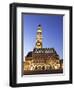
column 42, row 60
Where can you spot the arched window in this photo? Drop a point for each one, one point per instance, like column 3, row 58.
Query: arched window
column 39, row 67
column 36, row 68
column 43, row 67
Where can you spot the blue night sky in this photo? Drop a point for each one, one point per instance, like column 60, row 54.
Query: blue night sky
column 52, row 31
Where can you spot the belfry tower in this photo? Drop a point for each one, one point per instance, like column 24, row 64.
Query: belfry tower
column 39, row 37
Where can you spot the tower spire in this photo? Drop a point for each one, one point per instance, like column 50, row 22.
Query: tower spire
column 39, row 37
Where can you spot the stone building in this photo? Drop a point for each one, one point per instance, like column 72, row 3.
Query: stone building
column 40, row 58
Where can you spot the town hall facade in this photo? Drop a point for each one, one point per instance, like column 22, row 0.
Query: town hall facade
column 42, row 60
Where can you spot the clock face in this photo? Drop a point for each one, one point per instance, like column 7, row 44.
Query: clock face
column 38, row 43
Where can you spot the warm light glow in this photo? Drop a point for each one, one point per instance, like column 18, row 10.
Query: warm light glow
column 56, row 67
column 31, row 68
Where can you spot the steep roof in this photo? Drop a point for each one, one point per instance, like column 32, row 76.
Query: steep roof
column 29, row 54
